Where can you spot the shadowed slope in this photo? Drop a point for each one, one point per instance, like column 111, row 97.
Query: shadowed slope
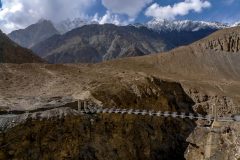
column 10, row 52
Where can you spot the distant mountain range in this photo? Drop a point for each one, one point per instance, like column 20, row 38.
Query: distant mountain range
column 10, row 52
column 162, row 25
column 79, row 41
column 155, row 24
column 96, row 43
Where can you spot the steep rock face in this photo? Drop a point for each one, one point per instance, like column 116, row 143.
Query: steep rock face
column 217, row 140
column 219, row 143
column 108, row 41
column 33, row 34
column 228, row 41
column 10, row 52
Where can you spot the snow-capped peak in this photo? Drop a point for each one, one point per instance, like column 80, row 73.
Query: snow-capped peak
column 183, row 25
column 155, row 24
column 235, row 24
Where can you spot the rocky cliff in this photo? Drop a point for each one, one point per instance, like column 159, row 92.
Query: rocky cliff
column 228, row 40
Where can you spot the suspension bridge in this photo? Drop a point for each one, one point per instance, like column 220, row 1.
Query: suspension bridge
column 88, row 108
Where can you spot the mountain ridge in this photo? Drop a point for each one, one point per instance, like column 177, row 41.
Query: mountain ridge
column 163, row 25
column 109, row 41
column 34, row 33
column 156, row 24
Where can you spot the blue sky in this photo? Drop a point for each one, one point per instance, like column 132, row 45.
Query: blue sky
column 226, row 11
column 17, row 14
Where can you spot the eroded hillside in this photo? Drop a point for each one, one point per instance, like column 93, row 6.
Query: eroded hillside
column 227, row 40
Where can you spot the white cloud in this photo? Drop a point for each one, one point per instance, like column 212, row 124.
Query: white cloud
column 17, row 14
column 178, row 9
column 110, row 18
column 127, row 7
